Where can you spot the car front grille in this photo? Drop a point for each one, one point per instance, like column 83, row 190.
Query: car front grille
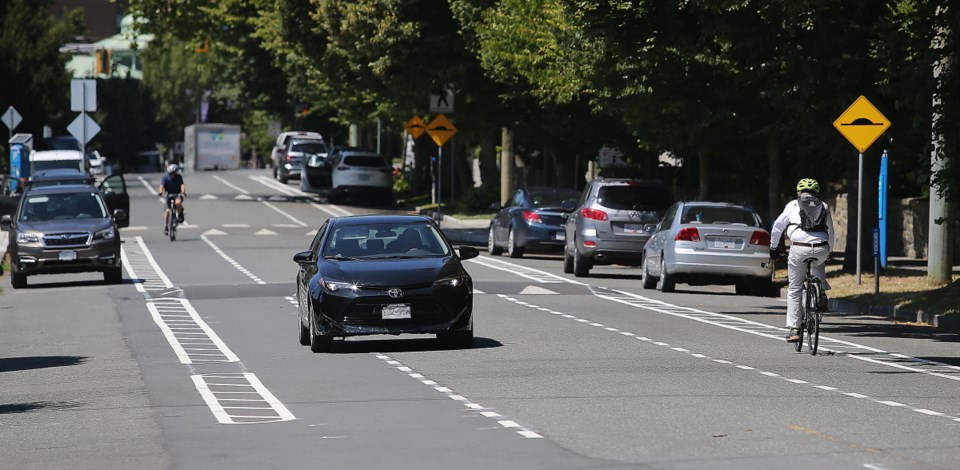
column 63, row 239
column 369, row 312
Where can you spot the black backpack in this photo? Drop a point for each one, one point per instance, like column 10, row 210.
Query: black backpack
column 813, row 214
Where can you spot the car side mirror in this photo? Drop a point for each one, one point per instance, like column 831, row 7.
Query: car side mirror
column 467, row 252
column 119, row 214
column 6, row 222
column 304, row 257
column 495, row 206
column 650, row 228
column 568, row 205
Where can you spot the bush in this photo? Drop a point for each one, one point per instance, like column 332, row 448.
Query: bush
column 401, row 185
column 478, row 199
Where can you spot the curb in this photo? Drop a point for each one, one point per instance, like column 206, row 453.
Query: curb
column 936, row 320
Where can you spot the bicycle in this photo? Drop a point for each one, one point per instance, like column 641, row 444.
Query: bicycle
column 173, row 217
column 811, row 313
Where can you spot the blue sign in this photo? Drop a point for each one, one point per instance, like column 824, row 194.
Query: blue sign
column 882, row 206
column 876, row 241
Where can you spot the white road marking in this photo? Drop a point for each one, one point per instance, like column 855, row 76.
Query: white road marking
column 331, row 209
column 772, row 375
column 230, row 260
column 214, row 231
column 246, row 195
column 211, row 395
column 264, row 231
column 482, row 410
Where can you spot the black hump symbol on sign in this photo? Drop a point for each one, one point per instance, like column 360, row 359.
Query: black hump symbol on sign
column 861, row 122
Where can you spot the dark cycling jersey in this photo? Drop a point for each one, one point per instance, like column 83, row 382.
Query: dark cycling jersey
column 172, row 184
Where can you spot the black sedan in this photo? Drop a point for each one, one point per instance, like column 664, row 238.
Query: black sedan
column 532, row 218
column 383, row 274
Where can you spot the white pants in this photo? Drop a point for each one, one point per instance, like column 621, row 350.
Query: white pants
column 797, row 271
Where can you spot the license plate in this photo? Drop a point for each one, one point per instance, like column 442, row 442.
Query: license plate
column 724, row 243
column 363, row 177
column 395, row 311
column 560, row 236
column 68, row 256
column 632, row 228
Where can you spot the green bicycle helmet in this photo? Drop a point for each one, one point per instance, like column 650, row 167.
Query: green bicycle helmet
column 808, row 184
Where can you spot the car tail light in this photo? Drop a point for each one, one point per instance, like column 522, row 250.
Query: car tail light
column 594, row 214
column 760, row 237
column 532, row 217
column 289, row 157
column 589, row 243
column 688, row 234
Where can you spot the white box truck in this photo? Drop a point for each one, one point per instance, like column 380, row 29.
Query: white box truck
column 211, row 147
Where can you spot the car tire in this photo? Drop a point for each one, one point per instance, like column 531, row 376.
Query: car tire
column 666, row 282
column 113, row 276
column 318, row 343
column 304, row 336
column 282, row 179
column 742, row 287
column 567, row 262
column 17, row 280
column 456, row 339
column 492, row 247
column 581, row 268
column 763, row 287
column 513, row 250
column 646, row 279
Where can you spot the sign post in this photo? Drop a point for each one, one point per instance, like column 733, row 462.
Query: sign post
column 440, row 130
column 876, row 260
column 861, row 124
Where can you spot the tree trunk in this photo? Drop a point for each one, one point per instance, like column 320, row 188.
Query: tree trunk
column 705, row 169
column 506, row 164
column 489, row 174
column 463, row 169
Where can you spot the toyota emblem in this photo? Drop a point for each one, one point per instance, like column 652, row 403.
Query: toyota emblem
column 395, row 293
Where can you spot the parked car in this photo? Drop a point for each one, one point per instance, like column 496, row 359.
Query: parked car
column 606, row 225
column 532, row 218
column 315, row 166
column 359, row 173
column 63, row 229
column 113, row 189
column 284, row 166
column 701, row 243
column 366, row 275
column 58, row 177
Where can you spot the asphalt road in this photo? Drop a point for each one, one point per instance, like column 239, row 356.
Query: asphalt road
column 193, row 362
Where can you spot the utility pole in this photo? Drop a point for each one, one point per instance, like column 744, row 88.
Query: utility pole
column 506, row 164
column 939, row 256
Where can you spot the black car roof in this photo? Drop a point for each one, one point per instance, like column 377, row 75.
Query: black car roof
column 380, row 219
column 61, row 188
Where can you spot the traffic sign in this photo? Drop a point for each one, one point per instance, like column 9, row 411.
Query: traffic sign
column 83, row 128
column 415, row 126
column 441, row 129
column 11, row 118
column 442, row 102
column 862, row 124
column 83, row 95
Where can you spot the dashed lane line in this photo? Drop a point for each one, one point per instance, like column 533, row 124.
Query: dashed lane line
column 233, row 262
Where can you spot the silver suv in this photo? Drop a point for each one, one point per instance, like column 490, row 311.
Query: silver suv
column 606, row 225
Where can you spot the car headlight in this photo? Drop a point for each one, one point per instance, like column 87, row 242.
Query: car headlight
column 334, row 286
column 452, row 281
column 105, row 234
column 24, row 238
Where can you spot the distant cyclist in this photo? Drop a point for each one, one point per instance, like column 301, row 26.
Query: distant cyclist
column 172, row 184
column 809, row 225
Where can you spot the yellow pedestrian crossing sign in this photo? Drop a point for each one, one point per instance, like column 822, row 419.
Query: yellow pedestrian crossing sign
column 862, row 123
column 441, row 129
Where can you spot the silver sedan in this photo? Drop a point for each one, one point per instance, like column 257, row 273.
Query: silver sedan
column 701, row 243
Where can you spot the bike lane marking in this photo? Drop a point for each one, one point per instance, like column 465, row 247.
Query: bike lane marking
column 840, row 347
column 261, row 201
column 233, row 262
column 726, row 363
column 233, row 398
column 331, row 209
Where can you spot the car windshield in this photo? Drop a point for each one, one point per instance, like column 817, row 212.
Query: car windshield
column 552, row 198
column 380, row 241
column 364, row 160
column 719, row 215
column 308, row 147
column 56, row 164
column 634, row 197
column 62, row 206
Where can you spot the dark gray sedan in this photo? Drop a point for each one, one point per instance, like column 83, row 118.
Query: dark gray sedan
column 532, row 218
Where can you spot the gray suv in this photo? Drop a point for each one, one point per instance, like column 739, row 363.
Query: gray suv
column 606, row 225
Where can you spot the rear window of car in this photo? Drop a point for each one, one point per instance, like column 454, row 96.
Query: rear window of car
column 552, row 198
column 634, row 197
column 718, row 215
column 364, row 160
column 308, row 147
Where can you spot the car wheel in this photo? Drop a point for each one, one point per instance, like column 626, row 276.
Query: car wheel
column 113, row 276
column 666, row 283
column 17, row 280
column 492, row 247
column 456, row 339
column 580, row 266
column 567, row 262
column 763, row 287
column 281, row 178
column 318, row 343
column 646, row 279
column 304, row 336
column 513, row 250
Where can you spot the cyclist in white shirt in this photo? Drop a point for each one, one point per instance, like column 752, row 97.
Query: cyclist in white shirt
column 807, row 222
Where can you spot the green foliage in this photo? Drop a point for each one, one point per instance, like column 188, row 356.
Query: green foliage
column 476, row 200
column 401, row 185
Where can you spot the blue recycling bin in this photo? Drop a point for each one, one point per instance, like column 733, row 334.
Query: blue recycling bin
column 20, row 147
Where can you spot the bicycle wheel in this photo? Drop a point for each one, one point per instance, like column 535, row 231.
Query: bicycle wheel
column 803, row 322
column 813, row 318
column 172, row 226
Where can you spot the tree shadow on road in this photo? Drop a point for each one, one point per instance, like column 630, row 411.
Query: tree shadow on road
column 883, row 329
column 9, row 364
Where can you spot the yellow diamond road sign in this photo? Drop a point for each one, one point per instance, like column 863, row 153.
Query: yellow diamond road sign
column 415, row 126
column 862, row 124
column 441, row 130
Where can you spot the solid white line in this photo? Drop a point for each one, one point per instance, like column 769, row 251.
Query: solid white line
column 149, row 188
column 285, row 214
column 331, row 209
column 285, row 414
column 215, row 407
column 231, row 185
